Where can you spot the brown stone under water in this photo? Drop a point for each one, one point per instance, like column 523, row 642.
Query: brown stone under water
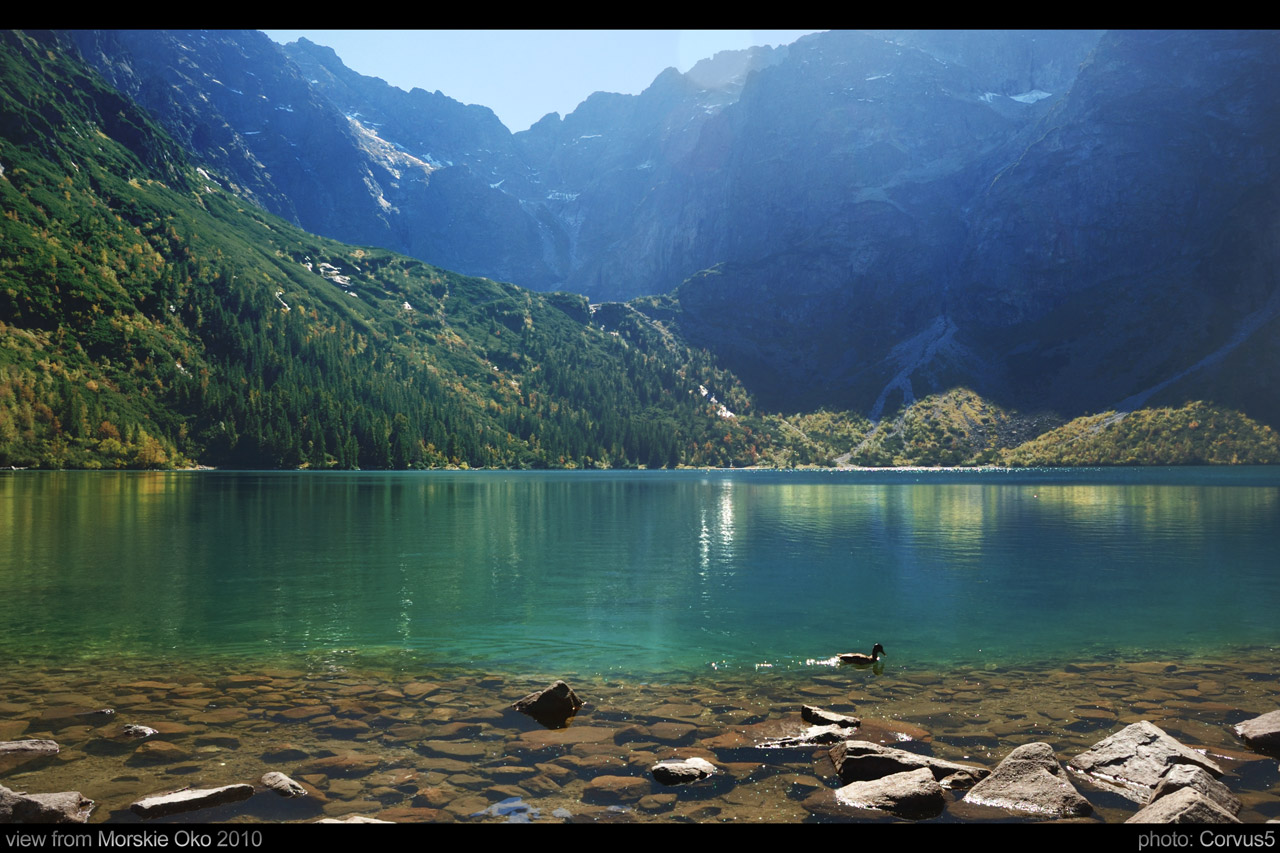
column 443, row 746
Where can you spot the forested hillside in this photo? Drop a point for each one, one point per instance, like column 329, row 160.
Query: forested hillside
column 150, row 318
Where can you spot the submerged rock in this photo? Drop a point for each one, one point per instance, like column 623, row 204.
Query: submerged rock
column 672, row 734
column 615, row 790
column 892, row 731
column 1134, row 759
column 1261, row 733
column 343, row 764
column 157, row 752
column 1030, row 779
column 514, row 809
column 284, row 752
column 858, row 760
column 65, row 716
column 553, row 707
column 655, row 803
column 63, row 807
column 1186, row 805
column 190, row 800
column 681, row 771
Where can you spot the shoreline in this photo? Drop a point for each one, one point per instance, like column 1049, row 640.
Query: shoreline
column 413, row 745
column 799, row 469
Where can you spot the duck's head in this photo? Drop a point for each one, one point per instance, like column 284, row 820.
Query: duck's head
column 877, row 650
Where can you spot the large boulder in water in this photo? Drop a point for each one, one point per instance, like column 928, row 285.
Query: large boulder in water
column 1186, row 805
column 1262, row 733
column 1188, row 776
column 1030, row 779
column 553, row 707
column 913, row 794
column 857, row 761
column 1133, row 760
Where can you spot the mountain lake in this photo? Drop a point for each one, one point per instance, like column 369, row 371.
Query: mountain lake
column 365, row 633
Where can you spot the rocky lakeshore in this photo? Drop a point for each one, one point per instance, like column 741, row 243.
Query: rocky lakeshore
column 347, row 738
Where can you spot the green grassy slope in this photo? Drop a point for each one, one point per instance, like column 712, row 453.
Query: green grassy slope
column 1194, row 434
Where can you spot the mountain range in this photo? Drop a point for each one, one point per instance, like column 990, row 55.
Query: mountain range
column 1063, row 222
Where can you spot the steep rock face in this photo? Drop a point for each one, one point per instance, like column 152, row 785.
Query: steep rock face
column 633, row 179
column 1013, row 63
column 441, row 128
column 454, row 179
column 854, row 144
column 844, row 213
column 1117, row 248
column 230, row 98
column 272, row 130
column 1135, row 236
column 849, row 147
column 351, row 157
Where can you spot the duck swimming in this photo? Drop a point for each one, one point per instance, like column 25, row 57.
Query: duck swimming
column 858, row 658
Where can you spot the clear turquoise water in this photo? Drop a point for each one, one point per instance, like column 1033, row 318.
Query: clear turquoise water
column 641, row 573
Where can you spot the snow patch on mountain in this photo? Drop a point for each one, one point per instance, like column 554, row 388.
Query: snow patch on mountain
column 390, row 156
column 1031, row 97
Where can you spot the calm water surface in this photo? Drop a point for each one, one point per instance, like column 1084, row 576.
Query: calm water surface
column 655, row 574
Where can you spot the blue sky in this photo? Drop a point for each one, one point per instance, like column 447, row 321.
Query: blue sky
column 524, row 74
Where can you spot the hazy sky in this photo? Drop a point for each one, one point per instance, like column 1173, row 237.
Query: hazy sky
column 524, row 74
